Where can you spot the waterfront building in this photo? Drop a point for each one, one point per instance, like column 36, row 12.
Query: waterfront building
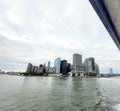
column 111, row 71
column 33, row 69
column 29, row 68
column 44, row 68
column 68, row 67
column 97, row 69
column 48, row 67
column 57, row 65
column 40, row 69
column 2, row 72
column 89, row 65
column 77, row 63
column 63, row 68
column 36, row 69
column 52, row 69
column 93, row 63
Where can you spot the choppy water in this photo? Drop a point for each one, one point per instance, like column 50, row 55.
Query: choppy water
column 19, row 93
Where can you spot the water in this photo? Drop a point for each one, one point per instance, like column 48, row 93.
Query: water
column 19, row 93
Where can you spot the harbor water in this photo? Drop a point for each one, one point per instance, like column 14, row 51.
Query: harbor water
column 20, row 93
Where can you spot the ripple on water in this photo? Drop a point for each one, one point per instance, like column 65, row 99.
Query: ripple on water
column 61, row 94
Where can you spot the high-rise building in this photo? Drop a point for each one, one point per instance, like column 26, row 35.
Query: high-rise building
column 77, row 59
column 36, row 69
column 48, row 67
column 40, row 69
column 33, row 69
column 68, row 67
column 111, row 71
column 93, row 63
column 77, row 63
column 97, row 69
column 57, row 65
column 89, row 65
column 29, row 68
column 63, row 68
column 44, row 68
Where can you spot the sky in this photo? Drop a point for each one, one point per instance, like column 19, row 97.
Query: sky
column 39, row 31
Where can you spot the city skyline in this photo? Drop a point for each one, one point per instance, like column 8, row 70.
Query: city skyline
column 40, row 31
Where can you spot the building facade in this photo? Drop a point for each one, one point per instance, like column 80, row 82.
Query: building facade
column 77, row 63
column 36, row 69
column 111, row 71
column 40, row 69
column 97, row 69
column 64, row 67
column 29, row 68
column 48, row 67
column 89, row 65
column 57, row 65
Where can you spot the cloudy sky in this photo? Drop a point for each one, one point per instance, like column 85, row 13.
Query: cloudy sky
column 37, row 31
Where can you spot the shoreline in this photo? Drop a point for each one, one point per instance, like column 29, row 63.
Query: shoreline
column 60, row 75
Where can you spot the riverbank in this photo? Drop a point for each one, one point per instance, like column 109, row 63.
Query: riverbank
column 68, row 75
column 54, row 75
